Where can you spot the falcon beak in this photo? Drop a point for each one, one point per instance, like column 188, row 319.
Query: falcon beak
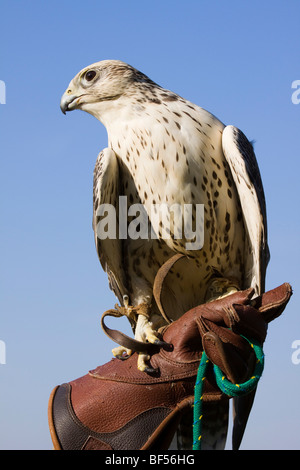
column 69, row 101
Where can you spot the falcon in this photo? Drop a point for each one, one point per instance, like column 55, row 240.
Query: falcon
column 164, row 150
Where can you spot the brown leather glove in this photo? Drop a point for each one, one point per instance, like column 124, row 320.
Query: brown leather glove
column 116, row 406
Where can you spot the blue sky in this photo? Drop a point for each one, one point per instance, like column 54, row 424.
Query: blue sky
column 236, row 59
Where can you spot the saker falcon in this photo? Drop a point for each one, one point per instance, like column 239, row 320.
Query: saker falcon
column 163, row 149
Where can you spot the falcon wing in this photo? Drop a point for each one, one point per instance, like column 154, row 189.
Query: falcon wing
column 106, row 191
column 240, row 156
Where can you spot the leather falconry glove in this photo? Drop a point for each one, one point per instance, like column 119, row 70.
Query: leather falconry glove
column 118, row 407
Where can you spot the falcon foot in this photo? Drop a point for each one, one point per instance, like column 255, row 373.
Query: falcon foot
column 146, row 332
column 121, row 353
column 220, row 288
column 147, row 339
column 143, row 359
column 144, row 365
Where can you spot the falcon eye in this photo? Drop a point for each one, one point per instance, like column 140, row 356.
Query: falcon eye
column 90, row 75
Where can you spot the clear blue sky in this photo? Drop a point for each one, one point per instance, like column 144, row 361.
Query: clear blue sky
column 236, row 59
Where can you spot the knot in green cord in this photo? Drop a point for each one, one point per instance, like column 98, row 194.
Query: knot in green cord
column 227, row 387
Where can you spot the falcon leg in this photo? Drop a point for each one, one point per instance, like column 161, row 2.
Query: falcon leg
column 146, row 331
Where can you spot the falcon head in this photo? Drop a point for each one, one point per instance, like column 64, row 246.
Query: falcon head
column 95, row 87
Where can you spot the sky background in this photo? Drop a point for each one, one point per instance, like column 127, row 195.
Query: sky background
column 236, row 59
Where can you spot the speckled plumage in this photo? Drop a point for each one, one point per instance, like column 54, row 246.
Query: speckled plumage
column 165, row 149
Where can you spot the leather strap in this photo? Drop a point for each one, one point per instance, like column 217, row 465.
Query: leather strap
column 159, row 281
column 124, row 340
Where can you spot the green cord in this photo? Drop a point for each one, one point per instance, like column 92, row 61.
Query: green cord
column 227, row 387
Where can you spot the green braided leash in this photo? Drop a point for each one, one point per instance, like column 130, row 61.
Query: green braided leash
column 233, row 390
